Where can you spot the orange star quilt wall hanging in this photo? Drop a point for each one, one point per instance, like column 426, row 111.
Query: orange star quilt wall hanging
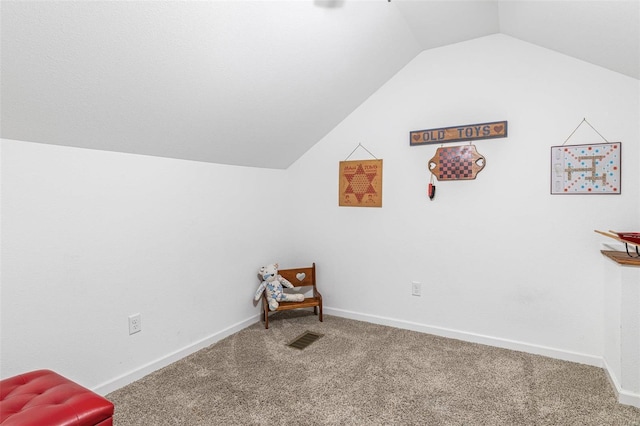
column 360, row 183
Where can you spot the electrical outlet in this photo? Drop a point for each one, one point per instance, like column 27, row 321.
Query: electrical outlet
column 416, row 288
column 135, row 323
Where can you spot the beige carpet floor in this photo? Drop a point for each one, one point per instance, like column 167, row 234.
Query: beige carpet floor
column 365, row 374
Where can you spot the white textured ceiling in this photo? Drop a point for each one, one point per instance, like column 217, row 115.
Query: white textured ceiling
column 253, row 83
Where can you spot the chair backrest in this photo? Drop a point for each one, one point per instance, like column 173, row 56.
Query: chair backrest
column 300, row 277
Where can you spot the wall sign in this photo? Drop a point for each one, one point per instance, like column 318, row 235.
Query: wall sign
column 496, row 129
column 360, row 183
column 586, row 169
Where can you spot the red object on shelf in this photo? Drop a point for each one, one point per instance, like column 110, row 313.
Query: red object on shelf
column 631, row 237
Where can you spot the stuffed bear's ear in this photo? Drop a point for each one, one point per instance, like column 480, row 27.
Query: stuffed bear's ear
column 261, row 270
column 276, row 265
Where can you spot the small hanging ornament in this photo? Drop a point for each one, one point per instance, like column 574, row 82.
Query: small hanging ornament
column 431, row 191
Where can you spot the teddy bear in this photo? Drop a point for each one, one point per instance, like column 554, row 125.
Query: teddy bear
column 272, row 283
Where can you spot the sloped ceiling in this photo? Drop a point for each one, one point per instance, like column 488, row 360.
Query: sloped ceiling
column 253, row 83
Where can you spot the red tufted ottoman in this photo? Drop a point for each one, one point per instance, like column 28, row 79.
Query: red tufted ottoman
column 46, row 398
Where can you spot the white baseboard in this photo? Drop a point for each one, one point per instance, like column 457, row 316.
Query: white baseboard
column 628, row 398
column 472, row 337
column 624, row 396
column 159, row 363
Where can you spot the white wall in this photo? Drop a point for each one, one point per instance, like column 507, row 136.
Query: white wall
column 500, row 260
column 91, row 237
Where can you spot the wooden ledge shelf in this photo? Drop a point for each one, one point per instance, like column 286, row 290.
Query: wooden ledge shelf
column 621, row 257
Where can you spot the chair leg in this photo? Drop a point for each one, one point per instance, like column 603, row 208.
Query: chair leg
column 320, row 312
column 315, row 310
column 265, row 314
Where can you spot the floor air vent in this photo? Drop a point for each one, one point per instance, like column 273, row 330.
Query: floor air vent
column 305, row 339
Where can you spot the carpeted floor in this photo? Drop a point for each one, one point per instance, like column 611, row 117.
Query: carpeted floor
column 366, row 374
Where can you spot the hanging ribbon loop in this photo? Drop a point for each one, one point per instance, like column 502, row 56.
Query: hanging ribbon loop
column 356, row 148
column 584, row 120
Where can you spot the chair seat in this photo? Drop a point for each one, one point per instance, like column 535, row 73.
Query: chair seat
column 308, row 302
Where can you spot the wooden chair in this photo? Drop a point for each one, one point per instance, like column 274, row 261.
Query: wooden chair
column 299, row 277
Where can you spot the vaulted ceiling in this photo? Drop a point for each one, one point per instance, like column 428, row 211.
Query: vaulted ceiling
column 254, row 83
